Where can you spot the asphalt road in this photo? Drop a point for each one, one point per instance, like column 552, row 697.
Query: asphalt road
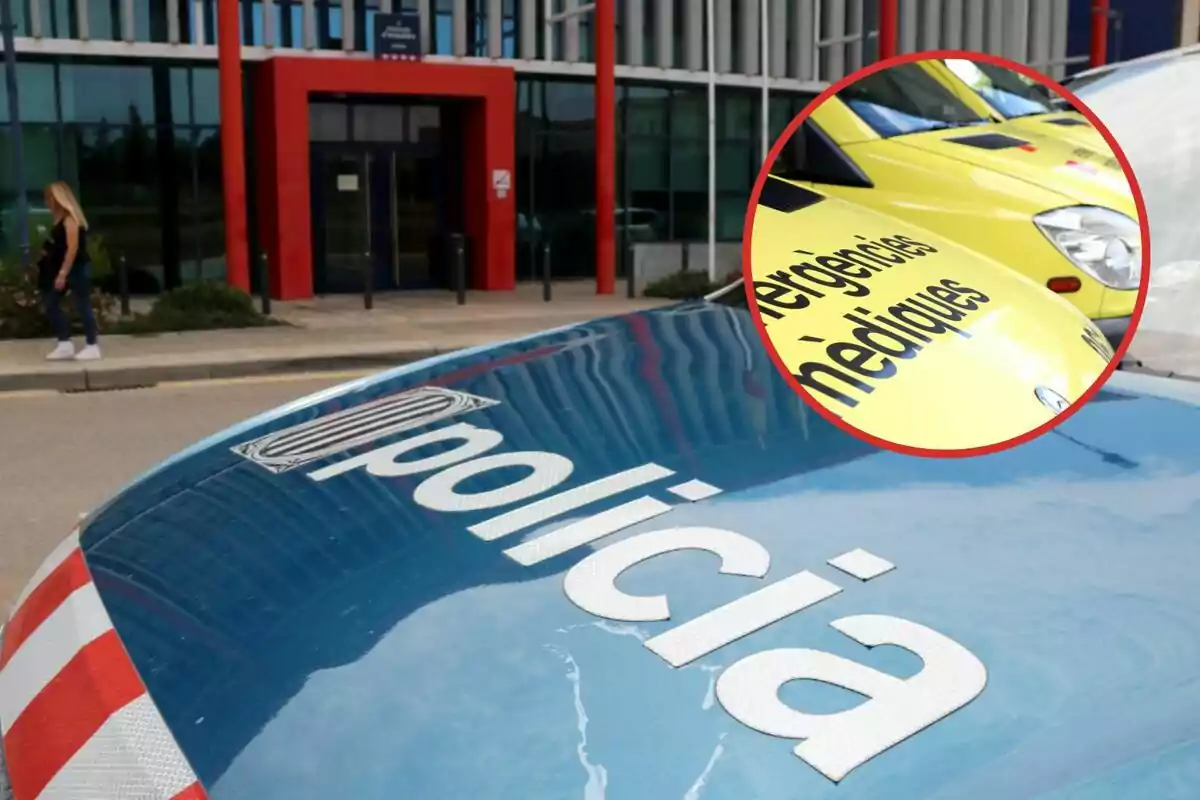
column 67, row 453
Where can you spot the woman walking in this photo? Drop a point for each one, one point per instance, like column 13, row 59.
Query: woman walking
column 64, row 265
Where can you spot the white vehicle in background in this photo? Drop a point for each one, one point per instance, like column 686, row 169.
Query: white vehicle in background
column 1152, row 106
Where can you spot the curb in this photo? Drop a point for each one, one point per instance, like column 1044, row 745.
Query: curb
column 104, row 378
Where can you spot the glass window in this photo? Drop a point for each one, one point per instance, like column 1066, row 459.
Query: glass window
column 689, row 114
column 570, row 105
column 107, row 93
column 186, row 178
column 731, row 216
column 372, row 123
column 736, row 115
column 424, row 124
column 645, row 111
column 509, row 46
column 206, row 96
column 258, row 24
column 564, row 208
column 648, row 161
column 39, row 144
column 332, row 40
column 735, row 166
column 689, row 184
column 21, row 21
column 783, row 108
column 142, row 20
column 906, row 99
column 328, row 122
column 180, row 113
column 211, row 230
column 116, row 171
column 61, row 20
column 1009, row 92
column 102, row 20
column 443, row 29
column 35, row 93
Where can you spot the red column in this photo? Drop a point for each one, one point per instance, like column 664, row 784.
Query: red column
column 233, row 145
column 887, row 28
column 606, row 144
column 1099, row 33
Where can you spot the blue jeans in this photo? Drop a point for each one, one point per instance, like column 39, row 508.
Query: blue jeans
column 79, row 284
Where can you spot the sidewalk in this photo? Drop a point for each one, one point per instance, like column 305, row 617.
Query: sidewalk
column 326, row 333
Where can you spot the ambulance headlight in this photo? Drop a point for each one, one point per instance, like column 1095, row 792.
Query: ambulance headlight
column 1103, row 243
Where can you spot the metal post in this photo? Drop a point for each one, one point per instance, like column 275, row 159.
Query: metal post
column 710, row 33
column 460, row 268
column 264, row 288
column 18, row 144
column 630, row 273
column 368, row 282
column 1099, row 54
column 766, row 80
column 233, row 151
column 122, row 283
column 604, row 24
column 546, row 272
column 888, row 12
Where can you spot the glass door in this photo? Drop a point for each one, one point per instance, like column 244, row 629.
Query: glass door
column 342, row 224
column 415, row 215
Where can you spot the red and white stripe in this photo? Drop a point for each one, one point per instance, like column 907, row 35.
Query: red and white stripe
column 76, row 719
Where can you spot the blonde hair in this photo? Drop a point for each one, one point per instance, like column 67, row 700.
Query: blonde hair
column 61, row 193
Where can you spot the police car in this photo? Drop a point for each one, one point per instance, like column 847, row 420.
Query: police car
column 621, row 559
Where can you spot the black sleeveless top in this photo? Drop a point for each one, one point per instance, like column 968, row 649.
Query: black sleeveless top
column 54, row 251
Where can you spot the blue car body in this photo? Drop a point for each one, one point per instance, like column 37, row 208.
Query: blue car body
column 337, row 638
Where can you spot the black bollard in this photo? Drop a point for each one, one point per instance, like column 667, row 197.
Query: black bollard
column 264, row 290
column 368, row 282
column 123, row 285
column 630, row 289
column 546, row 272
column 460, row 267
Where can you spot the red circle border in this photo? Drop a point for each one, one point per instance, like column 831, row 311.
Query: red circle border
column 909, row 58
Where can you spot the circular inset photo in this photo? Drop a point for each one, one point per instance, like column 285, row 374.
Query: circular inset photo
column 946, row 253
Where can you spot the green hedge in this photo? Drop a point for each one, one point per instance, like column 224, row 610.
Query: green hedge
column 208, row 305
column 687, row 285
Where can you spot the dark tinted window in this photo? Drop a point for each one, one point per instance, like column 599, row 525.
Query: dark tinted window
column 1009, row 92
column 810, row 155
column 906, row 99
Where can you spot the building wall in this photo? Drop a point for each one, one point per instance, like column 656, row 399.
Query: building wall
column 119, row 97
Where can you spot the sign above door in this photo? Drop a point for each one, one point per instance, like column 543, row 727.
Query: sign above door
column 398, row 36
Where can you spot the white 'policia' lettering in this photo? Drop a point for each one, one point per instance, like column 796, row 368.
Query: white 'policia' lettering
column 833, row 744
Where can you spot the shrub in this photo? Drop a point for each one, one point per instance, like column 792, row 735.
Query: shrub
column 207, row 305
column 687, row 285
column 22, row 314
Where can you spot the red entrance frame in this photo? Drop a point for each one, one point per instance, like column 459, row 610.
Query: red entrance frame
column 282, row 91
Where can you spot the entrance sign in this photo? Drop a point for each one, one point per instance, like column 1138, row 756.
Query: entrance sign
column 398, row 36
column 501, row 182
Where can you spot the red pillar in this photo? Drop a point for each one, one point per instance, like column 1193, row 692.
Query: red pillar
column 887, row 28
column 1099, row 33
column 233, row 145
column 606, row 144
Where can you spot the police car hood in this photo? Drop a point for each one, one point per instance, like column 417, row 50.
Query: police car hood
column 316, row 617
column 1081, row 174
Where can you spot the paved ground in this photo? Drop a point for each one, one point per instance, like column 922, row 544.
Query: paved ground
column 78, row 449
column 327, row 333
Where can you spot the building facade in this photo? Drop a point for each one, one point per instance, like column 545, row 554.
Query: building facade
column 358, row 166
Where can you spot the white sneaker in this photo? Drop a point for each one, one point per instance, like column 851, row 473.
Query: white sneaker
column 89, row 353
column 65, row 351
